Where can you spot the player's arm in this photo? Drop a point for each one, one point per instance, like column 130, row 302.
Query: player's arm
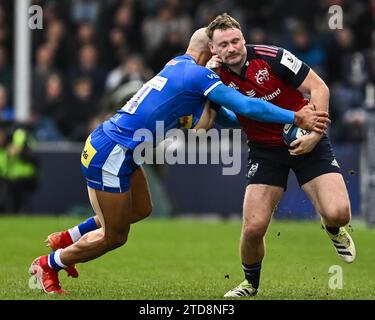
column 300, row 76
column 222, row 116
column 201, row 80
column 319, row 96
column 261, row 110
column 212, row 113
column 207, row 118
column 227, row 118
column 317, row 89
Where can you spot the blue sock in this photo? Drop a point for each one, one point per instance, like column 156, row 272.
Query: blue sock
column 54, row 260
column 87, row 226
column 84, row 227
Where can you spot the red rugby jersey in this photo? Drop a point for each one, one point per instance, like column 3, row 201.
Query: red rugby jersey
column 272, row 74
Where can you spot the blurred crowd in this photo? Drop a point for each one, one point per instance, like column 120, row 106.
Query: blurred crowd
column 92, row 55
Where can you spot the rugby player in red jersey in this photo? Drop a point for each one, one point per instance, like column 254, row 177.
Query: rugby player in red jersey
column 276, row 75
column 116, row 183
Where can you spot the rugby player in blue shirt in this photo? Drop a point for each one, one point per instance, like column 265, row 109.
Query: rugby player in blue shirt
column 117, row 185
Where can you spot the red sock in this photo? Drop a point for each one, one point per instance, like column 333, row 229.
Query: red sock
column 66, row 239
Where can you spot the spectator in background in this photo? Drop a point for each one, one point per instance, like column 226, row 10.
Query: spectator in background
column 118, row 47
column 364, row 25
column 309, row 52
column 349, row 70
column 43, row 69
column 155, row 29
column 55, row 37
column 18, row 169
column 158, row 29
column 132, row 68
column 6, row 75
column 6, row 111
column 85, row 10
column 84, row 35
column 80, row 109
column 206, row 11
column 123, row 82
column 370, row 87
column 341, row 45
column 52, row 111
column 171, row 46
column 257, row 36
column 124, row 21
column 5, row 29
column 89, row 67
column 3, row 167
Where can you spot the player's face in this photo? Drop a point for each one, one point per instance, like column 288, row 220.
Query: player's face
column 229, row 45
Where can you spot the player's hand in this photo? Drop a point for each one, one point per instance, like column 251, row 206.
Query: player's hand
column 310, row 119
column 304, row 144
column 214, row 63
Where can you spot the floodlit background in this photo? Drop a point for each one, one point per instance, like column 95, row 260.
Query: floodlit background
column 59, row 81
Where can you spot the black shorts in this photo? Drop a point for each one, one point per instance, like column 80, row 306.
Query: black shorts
column 271, row 166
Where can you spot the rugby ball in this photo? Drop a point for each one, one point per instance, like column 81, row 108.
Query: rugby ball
column 291, row 132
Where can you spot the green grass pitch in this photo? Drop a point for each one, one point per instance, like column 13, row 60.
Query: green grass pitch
column 190, row 259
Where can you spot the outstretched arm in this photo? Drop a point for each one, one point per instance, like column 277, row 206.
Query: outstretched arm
column 253, row 108
column 261, row 110
column 227, row 118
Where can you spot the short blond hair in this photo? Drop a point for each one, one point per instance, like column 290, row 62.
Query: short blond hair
column 222, row 22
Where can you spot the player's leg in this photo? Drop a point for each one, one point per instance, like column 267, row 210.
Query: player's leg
column 141, row 199
column 252, row 246
column 115, row 209
column 267, row 178
column 319, row 175
column 141, row 204
column 107, row 168
column 142, row 207
column 63, row 239
column 259, row 204
column 330, row 198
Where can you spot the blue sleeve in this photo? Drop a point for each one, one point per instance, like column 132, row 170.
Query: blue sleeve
column 199, row 79
column 256, row 109
column 227, row 118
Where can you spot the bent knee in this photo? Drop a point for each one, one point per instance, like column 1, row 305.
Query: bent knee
column 147, row 210
column 142, row 214
column 254, row 230
column 115, row 241
column 339, row 216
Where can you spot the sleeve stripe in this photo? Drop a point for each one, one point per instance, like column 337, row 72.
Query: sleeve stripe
column 266, row 53
column 265, row 48
column 211, row 88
